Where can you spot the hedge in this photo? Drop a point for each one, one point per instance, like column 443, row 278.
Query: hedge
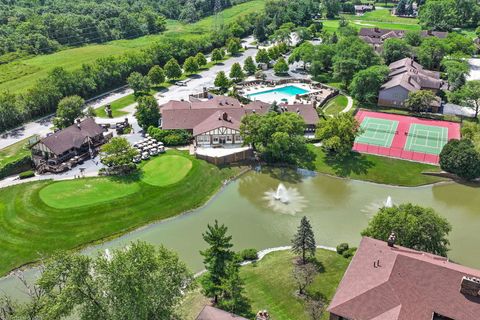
column 16, row 167
column 26, row 174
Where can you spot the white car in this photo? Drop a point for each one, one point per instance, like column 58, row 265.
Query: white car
column 145, row 156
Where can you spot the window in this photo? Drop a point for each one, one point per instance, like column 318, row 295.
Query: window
column 238, row 138
column 215, row 139
column 229, row 138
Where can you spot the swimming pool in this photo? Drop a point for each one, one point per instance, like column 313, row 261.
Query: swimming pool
column 285, row 93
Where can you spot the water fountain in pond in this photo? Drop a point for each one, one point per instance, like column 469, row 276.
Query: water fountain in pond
column 371, row 209
column 285, row 200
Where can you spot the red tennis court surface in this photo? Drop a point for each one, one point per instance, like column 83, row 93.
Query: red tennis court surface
column 404, row 130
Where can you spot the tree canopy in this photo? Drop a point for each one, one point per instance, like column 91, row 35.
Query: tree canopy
column 118, row 154
column 468, row 96
column 366, row 83
column 461, row 158
column 303, row 243
column 69, row 109
column 156, row 75
column 147, row 112
column 138, row 83
column 415, row 227
column 172, row 69
column 420, row 101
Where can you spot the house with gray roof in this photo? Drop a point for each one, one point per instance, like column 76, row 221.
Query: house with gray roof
column 80, row 140
column 407, row 76
column 216, row 121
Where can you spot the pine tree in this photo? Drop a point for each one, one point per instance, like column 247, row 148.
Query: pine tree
column 216, row 258
column 303, row 242
column 233, row 298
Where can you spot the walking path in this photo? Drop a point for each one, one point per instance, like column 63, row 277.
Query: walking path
column 349, row 104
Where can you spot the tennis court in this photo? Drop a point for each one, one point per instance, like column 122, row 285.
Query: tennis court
column 404, row 137
column 378, row 132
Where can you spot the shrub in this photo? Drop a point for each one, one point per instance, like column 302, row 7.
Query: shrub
column 170, row 137
column 26, row 174
column 349, row 253
column 342, row 247
column 248, row 254
column 15, row 167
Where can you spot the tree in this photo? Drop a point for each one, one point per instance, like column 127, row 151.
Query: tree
column 277, row 137
column 457, row 71
column 259, row 31
column 233, row 298
column 303, row 243
column 216, row 259
column 200, row 59
column 217, row 55
column 431, row 52
column 413, row 38
column 338, row 134
column 281, row 67
column 439, row 15
column 401, row 8
column 236, row 72
column 10, row 114
column 305, row 52
column 147, row 113
column 315, row 308
column 156, row 75
column 118, row 154
column 138, row 83
column 190, row 65
column 395, row 49
column 420, row 101
column 233, row 46
column 282, row 35
column 461, row 158
column 172, row 69
column 468, row 96
column 69, row 109
column 222, row 81
column 330, row 8
column 366, row 83
column 137, row 282
column 415, row 227
column 304, row 274
column 249, row 66
column 262, row 56
column 304, row 34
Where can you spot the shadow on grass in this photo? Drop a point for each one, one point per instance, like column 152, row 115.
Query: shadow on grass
column 318, row 264
column 354, row 162
column 127, row 178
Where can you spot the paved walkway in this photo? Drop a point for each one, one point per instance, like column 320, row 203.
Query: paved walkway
column 349, row 104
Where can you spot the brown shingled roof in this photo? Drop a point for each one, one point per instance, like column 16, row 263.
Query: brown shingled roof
column 412, row 76
column 73, row 136
column 211, row 313
column 408, row 285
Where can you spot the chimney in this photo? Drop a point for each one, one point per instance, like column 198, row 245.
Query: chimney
column 78, row 123
column 470, row 286
column 391, row 240
column 225, row 116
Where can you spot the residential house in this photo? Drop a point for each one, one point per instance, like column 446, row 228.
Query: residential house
column 216, row 121
column 407, row 76
column 363, row 8
column 388, row 282
column 79, row 140
column 376, row 36
column 211, row 313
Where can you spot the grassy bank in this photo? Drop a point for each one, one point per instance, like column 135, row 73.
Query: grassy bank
column 376, row 169
column 14, row 152
column 20, row 75
column 31, row 229
column 335, row 105
column 269, row 285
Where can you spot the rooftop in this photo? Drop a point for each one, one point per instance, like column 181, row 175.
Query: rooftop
column 397, row 283
column 211, row 313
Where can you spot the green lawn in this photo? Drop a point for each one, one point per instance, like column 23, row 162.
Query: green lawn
column 116, row 106
column 381, row 15
column 20, row 75
column 376, row 169
column 14, row 152
column 31, row 229
column 269, row 285
column 165, row 170
column 335, row 105
column 84, row 192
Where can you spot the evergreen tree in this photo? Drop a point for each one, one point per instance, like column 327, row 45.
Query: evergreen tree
column 303, row 242
column 401, row 8
column 233, row 298
column 216, row 258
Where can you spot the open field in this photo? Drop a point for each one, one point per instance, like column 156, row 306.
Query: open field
column 14, row 152
column 269, row 285
column 335, row 105
column 20, row 75
column 31, row 229
column 376, row 169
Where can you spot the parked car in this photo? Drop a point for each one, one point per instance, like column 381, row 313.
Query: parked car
column 145, row 156
column 153, row 152
column 137, row 159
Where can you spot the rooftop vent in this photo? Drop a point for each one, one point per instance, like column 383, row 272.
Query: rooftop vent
column 391, row 239
column 470, row 286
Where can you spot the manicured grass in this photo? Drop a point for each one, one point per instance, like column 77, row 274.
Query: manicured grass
column 165, row 170
column 14, row 152
column 381, row 15
column 30, row 229
column 376, row 169
column 116, row 106
column 335, row 105
column 84, row 192
column 269, row 285
column 20, row 75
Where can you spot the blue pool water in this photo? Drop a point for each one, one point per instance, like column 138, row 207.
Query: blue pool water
column 289, row 91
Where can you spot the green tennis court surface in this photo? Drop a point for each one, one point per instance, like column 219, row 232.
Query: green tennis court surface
column 378, row 132
column 426, row 139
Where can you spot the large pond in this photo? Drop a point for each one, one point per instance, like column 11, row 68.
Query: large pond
column 338, row 209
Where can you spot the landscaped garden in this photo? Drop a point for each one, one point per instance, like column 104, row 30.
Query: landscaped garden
column 39, row 218
column 269, row 285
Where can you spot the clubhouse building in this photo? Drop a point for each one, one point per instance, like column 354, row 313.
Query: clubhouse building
column 388, row 282
column 408, row 76
column 216, row 121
